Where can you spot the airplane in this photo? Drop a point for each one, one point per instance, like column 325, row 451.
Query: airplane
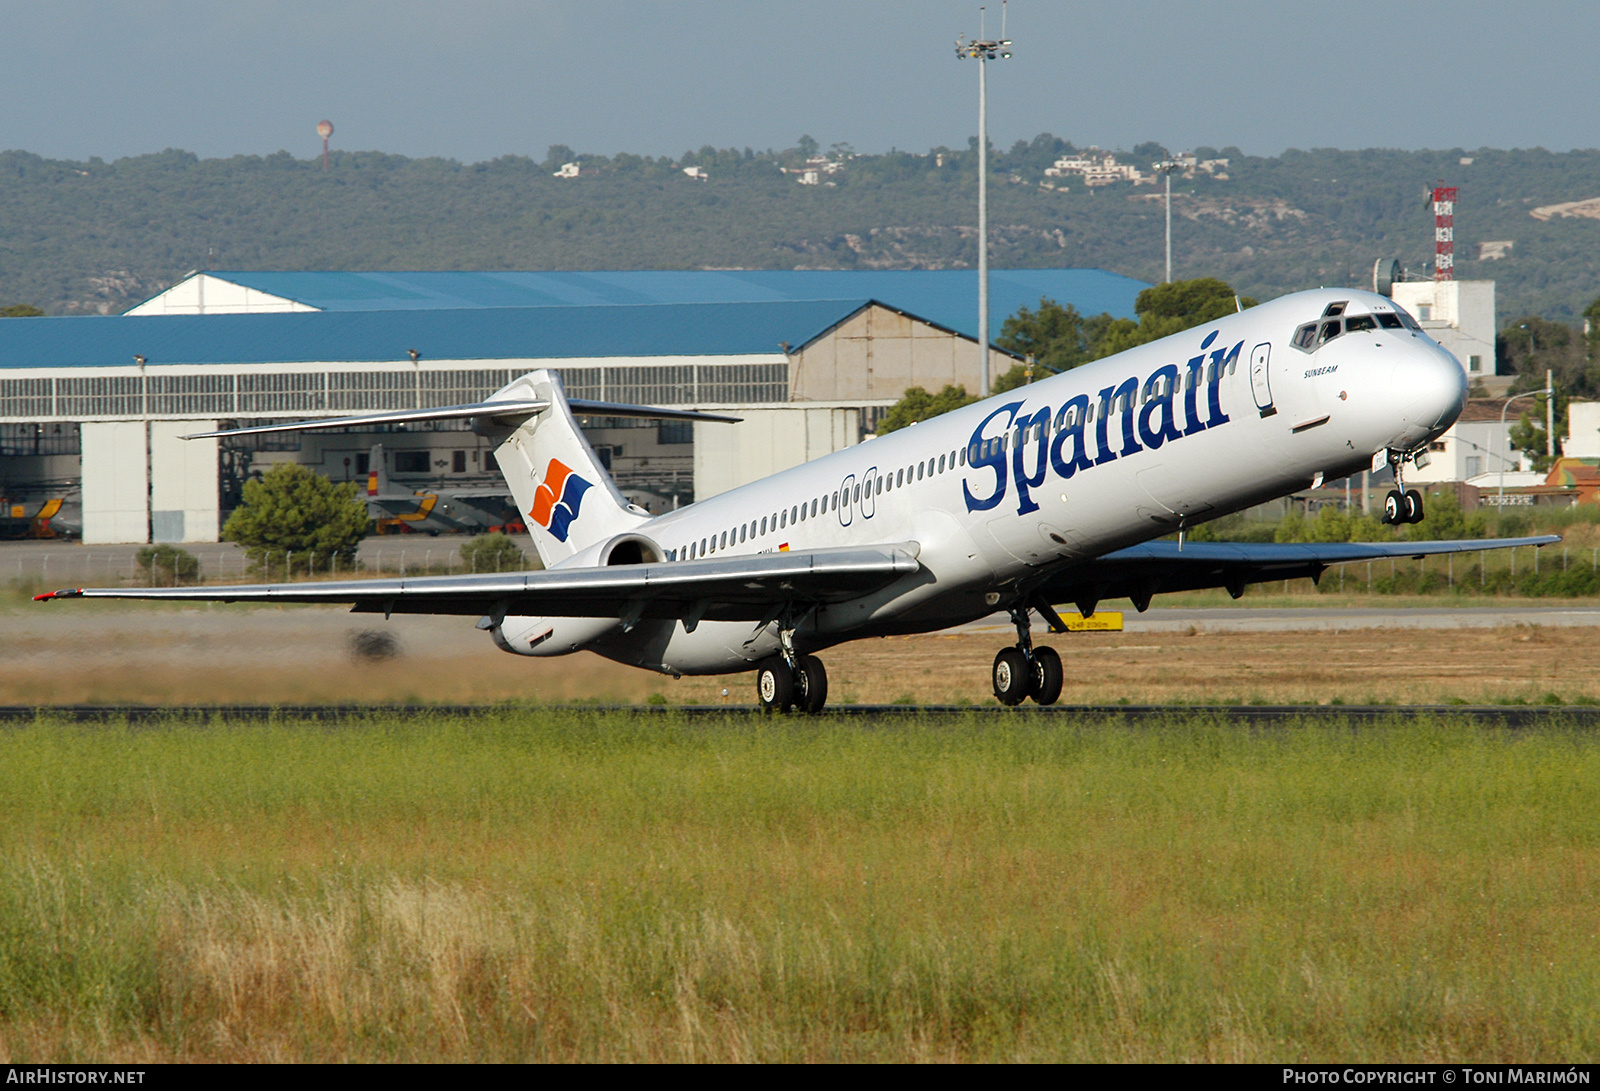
column 52, row 516
column 1060, row 491
column 450, row 510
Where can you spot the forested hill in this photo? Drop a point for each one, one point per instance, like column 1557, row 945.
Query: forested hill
column 97, row 236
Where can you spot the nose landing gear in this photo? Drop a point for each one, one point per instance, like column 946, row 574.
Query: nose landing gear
column 1024, row 671
column 1401, row 505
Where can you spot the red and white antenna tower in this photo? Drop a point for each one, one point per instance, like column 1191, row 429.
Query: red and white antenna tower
column 1444, row 232
column 325, row 130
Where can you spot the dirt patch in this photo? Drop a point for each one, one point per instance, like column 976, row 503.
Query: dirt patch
column 223, row 655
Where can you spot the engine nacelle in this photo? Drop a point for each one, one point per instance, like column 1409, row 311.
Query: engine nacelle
column 631, row 549
column 549, row 636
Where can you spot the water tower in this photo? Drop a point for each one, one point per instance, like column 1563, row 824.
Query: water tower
column 324, row 130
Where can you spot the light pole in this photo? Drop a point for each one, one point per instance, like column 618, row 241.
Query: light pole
column 984, row 50
column 1548, row 392
column 1165, row 169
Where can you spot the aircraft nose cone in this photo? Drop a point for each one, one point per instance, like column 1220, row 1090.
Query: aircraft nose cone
column 1429, row 388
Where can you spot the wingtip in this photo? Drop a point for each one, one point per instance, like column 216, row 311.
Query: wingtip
column 64, row 593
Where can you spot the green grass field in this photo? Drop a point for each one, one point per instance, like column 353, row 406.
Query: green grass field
column 565, row 885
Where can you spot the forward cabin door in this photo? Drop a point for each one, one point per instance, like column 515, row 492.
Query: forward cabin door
column 1260, row 385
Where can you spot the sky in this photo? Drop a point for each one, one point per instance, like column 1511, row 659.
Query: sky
column 476, row 79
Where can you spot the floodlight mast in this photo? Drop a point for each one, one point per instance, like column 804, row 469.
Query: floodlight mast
column 1165, row 169
column 983, row 50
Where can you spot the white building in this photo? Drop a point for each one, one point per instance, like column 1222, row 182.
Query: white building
column 1460, row 315
column 1583, row 430
column 1478, row 443
column 816, row 170
column 1097, row 168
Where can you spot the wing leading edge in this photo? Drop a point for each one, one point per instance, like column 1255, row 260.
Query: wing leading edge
column 743, row 588
column 1142, row 571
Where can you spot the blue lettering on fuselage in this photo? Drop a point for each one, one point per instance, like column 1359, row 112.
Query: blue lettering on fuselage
column 1148, row 423
column 991, row 453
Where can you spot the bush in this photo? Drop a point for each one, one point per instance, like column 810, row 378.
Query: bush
column 168, row 566
column 493, row 553
column 299, row 518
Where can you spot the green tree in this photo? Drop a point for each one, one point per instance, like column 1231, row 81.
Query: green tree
column 1170, row 308
column 1058, row 336
column 1015, row 376
column 1528, row 436
column 919, row 405
column 298, row 518
column 20, row 310
column 493, row 553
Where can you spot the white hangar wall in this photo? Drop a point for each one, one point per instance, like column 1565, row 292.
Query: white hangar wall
column 768, row 440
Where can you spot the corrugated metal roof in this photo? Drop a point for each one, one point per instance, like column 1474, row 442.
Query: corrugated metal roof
column 701, row 329
column 945, row 297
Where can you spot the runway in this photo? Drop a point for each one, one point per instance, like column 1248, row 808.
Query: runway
column 1501, row 716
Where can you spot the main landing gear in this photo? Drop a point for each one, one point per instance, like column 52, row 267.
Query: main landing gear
column 1024, row 671
column 1401, row 505
column 791, row 681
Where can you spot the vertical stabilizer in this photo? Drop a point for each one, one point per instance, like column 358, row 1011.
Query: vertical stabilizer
column 377, row 473
column 566, row 497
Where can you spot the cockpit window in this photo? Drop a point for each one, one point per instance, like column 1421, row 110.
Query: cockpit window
column 1335, row 309
column 1305, row 337
column 1359, row 322
column 1405, row 318
column 1330, row 330
column 1389, row 321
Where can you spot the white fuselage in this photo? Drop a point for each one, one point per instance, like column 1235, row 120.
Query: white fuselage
column 1135, row 446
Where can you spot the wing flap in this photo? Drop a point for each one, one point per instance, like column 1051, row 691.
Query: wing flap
column 732, row 588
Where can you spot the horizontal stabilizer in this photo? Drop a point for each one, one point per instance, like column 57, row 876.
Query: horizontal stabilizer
column 509, row 412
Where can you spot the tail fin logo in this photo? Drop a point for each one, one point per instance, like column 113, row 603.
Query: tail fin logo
column 558, row 499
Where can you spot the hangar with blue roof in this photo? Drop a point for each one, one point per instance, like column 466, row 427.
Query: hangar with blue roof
column 101, row 402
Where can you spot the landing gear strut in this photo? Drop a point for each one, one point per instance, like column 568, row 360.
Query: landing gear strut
column 789, row 680
column 1024, row 671
column 1401, row 505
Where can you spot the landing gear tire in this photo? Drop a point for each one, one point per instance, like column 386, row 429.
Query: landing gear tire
column 1413, row 504
column 1394, row 508
column 1045, row 680
column 1012, row 676
column 774, row 685
column 810, row 684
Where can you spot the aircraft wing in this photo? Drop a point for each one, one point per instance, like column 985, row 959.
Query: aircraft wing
column 1150, row 568
column 736, row 588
